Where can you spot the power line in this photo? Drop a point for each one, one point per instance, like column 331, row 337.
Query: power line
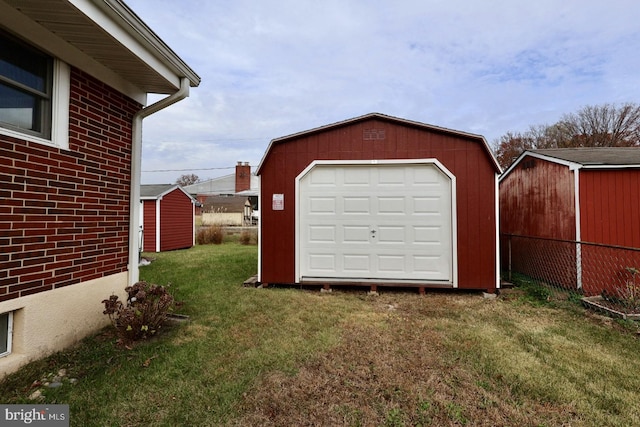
column 187, row 170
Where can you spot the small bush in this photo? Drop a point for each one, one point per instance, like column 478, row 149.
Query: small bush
column 144, row 313
column 211, row 234
column 246, row 238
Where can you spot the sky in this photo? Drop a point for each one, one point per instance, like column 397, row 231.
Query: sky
column 271, row 68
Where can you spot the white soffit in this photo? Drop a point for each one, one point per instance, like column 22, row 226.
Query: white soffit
column 104, row 38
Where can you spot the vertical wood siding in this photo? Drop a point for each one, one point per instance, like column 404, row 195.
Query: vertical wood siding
column 610, row 206
column 64, row 214
column 149, row 224
column 176, row 221
column 464, row 157
column 610, row 215
column 537, row 199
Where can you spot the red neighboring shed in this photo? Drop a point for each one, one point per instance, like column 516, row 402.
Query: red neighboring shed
column 168, row 218
column 538, row 198
column 379, row 200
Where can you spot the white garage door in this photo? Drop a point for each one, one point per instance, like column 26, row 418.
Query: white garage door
column 388, row 222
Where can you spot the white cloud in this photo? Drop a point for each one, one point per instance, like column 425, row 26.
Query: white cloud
column 270, row 68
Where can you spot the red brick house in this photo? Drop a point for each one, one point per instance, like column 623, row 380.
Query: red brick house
column 168, row 218
column 74, row 81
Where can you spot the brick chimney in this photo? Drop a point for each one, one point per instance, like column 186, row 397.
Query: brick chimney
column 243, row 176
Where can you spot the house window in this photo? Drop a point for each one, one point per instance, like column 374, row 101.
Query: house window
column 6, row 327
column 34, row 93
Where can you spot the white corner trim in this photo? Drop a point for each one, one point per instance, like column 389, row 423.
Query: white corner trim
column 497, row 213
column 430, row 161
column 158, row 203
column 260, row 207
column 61, row 104
column 576, row 198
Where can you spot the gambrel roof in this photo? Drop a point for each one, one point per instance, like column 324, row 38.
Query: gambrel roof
column 385, row 117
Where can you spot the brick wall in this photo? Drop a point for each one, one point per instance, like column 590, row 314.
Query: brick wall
column 64, row 214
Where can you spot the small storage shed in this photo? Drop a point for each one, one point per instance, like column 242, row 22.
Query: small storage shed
column 167, row 218
column 588, row 198
column 379, row 201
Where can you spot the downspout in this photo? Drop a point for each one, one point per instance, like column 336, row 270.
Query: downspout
column 136, row 173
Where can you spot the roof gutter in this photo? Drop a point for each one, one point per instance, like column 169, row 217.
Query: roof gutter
column 136, row 173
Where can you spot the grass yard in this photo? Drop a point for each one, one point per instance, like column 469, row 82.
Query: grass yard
column 281, row 357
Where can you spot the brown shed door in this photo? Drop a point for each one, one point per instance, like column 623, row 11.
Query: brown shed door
column 390, row 222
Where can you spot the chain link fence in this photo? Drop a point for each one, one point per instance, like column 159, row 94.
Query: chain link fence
column 586, row 269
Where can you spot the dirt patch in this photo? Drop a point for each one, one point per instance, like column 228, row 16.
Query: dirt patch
column 399, row 374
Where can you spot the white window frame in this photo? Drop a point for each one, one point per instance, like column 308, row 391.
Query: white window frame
column 60, row 97
column 9, row 334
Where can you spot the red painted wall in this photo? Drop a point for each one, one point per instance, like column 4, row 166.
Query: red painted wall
column 176, row 221
column 610, row 215
column 464, row 157
column 537, row 199
column 64, row 214
column 149, row 225
column 610, row 206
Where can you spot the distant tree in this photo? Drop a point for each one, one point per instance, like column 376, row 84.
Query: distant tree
column 604, row 125
column 510, row 146
column 187, row 179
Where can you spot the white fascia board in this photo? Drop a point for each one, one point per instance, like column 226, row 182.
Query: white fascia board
column 42, row 38
column 161, row 195
column 611, row 166
column 107, row 22
column 570, row 165
column 121, row 23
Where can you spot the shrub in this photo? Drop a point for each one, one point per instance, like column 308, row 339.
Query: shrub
column 144, row 313
column 245, row 238
column 211, row 234
column 628, row 294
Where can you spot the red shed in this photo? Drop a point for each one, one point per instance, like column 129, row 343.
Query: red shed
column 379, row 201
column 167, row 218
column 587, row 197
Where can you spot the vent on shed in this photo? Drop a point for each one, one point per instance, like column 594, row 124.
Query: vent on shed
column 529, row 164
column 373, row 134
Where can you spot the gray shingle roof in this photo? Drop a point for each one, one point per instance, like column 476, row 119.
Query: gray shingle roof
column 594, row 156
column 154, row 190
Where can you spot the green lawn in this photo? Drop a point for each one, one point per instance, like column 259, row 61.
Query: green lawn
column 293, row 357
